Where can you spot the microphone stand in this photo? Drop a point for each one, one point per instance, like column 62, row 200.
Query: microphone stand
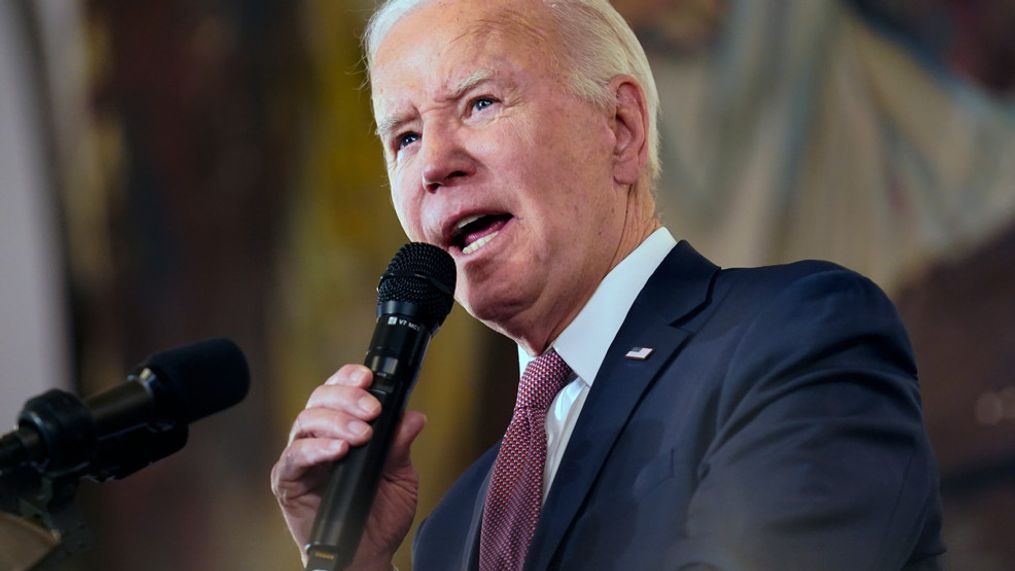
column 41, row 491
column 45, row 506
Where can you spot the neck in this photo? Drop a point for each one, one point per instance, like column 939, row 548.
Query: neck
column 640, row 220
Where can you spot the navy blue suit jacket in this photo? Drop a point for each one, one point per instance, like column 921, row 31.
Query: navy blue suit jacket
column 776, row 425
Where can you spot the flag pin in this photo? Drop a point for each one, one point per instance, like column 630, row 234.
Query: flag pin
column 639, row 353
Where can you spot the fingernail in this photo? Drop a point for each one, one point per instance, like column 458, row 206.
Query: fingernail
column 332, row 380
column 358, row 428
column 358, row 375
column 367, row 404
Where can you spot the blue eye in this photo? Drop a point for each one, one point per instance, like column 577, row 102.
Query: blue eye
column 406, row 139
column 481, row 103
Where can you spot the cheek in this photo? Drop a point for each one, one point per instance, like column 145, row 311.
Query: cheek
column 406, row 210
column 407, row 226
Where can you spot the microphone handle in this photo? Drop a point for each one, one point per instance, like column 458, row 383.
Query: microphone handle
column 395, row 355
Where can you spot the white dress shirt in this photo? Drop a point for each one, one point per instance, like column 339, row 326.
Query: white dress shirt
column 583, row 344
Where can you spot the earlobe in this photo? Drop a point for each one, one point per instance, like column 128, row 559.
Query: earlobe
column 630, row 124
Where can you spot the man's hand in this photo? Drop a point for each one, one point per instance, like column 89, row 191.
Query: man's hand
column 334, row 419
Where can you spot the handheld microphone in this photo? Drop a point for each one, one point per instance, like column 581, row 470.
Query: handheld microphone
column 116, row 432
column 414, row 297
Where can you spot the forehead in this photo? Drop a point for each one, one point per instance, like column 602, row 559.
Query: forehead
column 443, row 44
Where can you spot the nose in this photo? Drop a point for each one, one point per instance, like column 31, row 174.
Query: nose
column 445, row 160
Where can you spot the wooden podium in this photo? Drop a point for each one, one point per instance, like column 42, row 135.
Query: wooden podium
column 23, row 546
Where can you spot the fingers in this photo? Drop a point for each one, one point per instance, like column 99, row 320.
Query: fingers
column 351, row 400
column 340, row 408
column 336, row 418
column 287, row 476
column 328, row 423
column 351, row 375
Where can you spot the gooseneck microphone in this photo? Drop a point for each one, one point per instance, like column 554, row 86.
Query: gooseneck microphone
column 414, row 297
column 116, row 432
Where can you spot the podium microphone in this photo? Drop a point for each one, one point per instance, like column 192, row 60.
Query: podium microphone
column 119, row 431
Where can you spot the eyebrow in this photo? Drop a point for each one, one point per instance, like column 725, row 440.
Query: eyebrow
column 475, row 78
column 391, row 123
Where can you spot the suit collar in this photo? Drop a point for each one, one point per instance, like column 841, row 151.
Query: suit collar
column 584, row 342
column 679, row 286
column 677, row 289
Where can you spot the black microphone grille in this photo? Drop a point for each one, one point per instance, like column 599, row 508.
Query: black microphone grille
column 424, row 275
column 201, row 378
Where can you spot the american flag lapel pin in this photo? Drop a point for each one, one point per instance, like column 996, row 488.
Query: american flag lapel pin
column 639, row 353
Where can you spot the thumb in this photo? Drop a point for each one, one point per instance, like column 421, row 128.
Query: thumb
column 411, row 425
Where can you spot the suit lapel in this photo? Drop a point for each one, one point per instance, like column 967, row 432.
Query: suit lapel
column 677, row 288
column 471, row 559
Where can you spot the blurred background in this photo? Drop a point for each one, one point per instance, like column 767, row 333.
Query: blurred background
column 180, row 169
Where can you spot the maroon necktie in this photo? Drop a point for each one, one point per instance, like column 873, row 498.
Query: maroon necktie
column 515, row 495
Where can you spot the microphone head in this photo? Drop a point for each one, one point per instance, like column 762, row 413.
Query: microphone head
column 423, row 275
column 201, row 378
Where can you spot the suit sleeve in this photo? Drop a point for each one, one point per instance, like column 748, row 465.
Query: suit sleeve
column 820, row 459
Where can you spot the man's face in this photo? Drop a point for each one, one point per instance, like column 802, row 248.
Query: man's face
column 492, row 159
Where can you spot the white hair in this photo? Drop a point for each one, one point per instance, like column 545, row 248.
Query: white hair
column 597, row 43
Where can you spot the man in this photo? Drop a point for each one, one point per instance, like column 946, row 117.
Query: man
column 729, row 419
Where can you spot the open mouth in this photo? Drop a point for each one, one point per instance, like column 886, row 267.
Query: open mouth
column 473, row 232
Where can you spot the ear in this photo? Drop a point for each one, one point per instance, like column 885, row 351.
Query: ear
column 630, row 130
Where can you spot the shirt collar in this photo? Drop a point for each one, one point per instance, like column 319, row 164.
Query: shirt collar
column 584, row 342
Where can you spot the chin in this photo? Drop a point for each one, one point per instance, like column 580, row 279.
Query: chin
column 496, row 305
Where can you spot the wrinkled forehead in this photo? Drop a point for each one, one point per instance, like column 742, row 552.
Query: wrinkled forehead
column 517, row 15
column 435, row 39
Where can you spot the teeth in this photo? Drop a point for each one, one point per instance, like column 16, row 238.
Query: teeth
column 479, row 243
column 467, row 220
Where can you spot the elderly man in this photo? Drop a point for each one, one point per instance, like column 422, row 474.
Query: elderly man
column 671, row 415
